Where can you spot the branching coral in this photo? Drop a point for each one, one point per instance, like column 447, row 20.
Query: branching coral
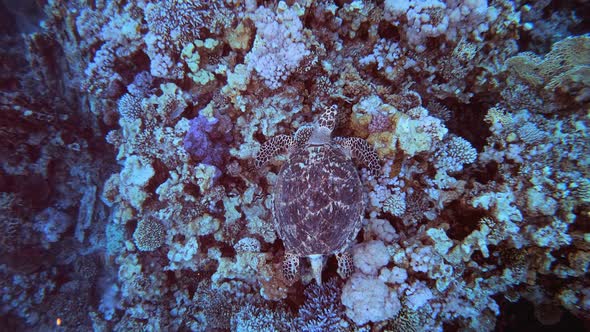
column 252, row 317
column 453, row 154
column 322, row 310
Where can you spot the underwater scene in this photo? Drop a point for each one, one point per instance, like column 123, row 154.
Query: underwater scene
column 332, row 165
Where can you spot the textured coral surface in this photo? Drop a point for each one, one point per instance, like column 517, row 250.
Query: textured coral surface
column 131, row 198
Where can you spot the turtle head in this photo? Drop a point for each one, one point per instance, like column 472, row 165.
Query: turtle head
column 324, row 126
column 328, row 118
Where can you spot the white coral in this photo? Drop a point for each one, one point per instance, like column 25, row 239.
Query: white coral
column 368, row 299
column 370, row 256
column 551, row 236
column 382, row 229
column 181, row 255
column 136, row 174
column 417, row 295
column 450, row 19
column 395, row 275
column 420, row 258
column 279, row 46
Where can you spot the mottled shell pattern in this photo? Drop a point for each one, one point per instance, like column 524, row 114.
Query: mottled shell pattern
column 318, row 200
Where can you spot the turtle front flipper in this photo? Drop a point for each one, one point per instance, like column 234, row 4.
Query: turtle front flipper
column 345, row 266
column 360, row 150
column 272, row 148
column 290, row 267
column 303, row 134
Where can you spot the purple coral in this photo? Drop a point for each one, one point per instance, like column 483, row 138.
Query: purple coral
column 204, row 142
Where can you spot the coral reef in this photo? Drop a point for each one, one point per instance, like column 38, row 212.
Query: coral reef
column 131, row 198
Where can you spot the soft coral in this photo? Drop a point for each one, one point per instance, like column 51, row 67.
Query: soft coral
column 204, row 142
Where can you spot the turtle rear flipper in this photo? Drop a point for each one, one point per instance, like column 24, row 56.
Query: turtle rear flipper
column 345, row 266
column 290, row 267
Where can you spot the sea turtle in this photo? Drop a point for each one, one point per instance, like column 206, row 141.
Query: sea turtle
column 318, row 203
